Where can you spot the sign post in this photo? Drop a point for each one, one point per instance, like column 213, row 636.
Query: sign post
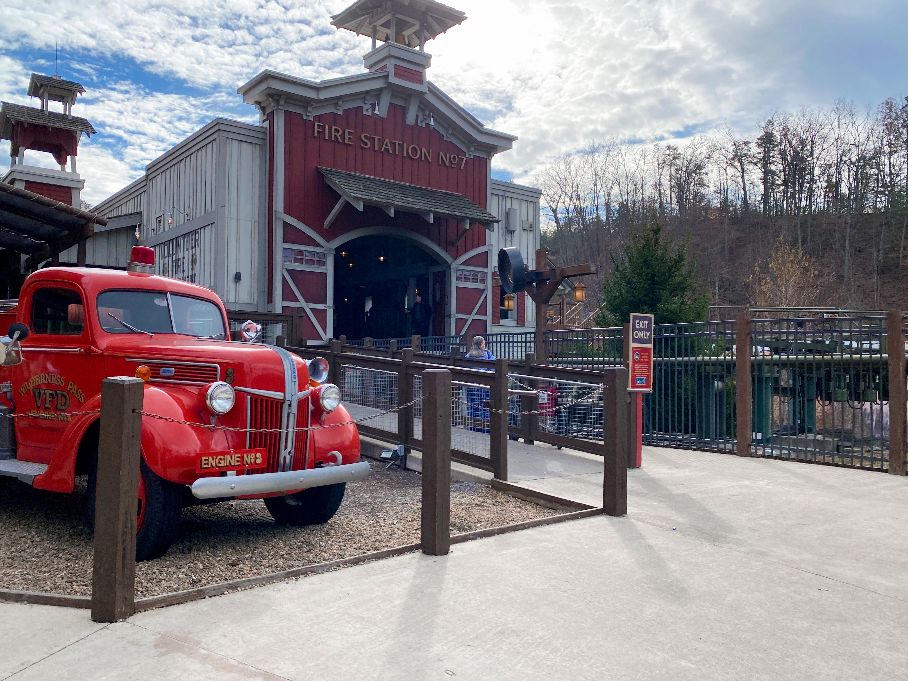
column 640, row 373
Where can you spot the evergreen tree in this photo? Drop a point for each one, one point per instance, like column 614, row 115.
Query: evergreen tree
column 652, row 275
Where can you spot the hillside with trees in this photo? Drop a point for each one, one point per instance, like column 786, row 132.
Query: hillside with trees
column 809, row 210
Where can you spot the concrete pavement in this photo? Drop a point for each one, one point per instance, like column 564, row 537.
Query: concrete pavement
column 724, row 569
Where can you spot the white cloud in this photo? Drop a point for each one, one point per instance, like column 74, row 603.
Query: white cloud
column 560, row 74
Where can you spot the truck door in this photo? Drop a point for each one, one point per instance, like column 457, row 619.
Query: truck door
column 58, row 369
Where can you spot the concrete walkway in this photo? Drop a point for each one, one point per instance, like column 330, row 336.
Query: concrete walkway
column 724, row 569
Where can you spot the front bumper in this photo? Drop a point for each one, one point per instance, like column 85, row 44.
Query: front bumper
column 269, row 483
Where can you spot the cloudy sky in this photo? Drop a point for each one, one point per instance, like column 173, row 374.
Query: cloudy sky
column 560, row 74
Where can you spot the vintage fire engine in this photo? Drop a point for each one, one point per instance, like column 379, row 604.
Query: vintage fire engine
column 72, row 327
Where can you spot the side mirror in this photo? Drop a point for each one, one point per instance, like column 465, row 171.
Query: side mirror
column 10, row 350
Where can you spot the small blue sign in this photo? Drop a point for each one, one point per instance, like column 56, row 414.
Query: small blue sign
column 640, row 380
column 167, row 372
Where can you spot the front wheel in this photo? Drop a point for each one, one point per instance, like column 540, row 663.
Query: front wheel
column 158, row 510
column 312, row 506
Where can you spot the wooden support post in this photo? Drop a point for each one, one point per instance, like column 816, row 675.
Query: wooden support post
column 633, row 425
column 81, row 250
column 392, row 346
column 895, row 341
column 529, row 423
column 342, row 339
column 744, row 398
column 280, row 341
column 367, row 342
column 416, row 342
column 614, row 430
column 404, row 395
column 498, row 421
column 114, row 575
column 436, row 462
column 542, row 306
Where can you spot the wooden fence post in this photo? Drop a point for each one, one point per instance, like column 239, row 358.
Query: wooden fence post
column 744, row 398
column 404, row 395
column 114, row 573
column 614, row 430
column 498, row 421
column 416, row 342
column 529, row 423
column 633, row 425
column 367, row 342
column 436, row 463
column 895, row 341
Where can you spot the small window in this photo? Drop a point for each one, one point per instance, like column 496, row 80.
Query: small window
column 57, row 311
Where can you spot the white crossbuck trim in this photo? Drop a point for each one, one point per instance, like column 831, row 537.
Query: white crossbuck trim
column 473, row 314
column 305, row 229
column 305, row 306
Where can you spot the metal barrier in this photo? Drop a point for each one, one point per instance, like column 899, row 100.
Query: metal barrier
column 808, row 389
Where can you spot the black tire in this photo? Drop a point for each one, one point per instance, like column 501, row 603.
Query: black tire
column 162, row 512
column 313, row 506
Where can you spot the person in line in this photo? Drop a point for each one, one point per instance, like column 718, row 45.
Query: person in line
column 477, row 398
column 421, row 316
column 479, row 350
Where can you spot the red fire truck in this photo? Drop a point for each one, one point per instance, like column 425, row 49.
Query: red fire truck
column 267, row 409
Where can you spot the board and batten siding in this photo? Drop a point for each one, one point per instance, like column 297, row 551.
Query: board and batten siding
column 182, row 191
column 188, row 257
column 244, row 224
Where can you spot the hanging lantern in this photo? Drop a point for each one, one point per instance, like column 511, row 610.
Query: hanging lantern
column 579, row 292
column 509, row 302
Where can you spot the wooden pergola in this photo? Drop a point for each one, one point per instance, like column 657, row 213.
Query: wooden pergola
column 39, row 228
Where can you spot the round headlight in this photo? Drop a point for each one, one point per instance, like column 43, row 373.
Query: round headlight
column 318, row 369
column 329, row 397
column 220, row 397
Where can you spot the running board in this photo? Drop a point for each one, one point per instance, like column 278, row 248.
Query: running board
column 24, row 470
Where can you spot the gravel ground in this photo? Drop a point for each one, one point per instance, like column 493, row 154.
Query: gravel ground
column 45, row 547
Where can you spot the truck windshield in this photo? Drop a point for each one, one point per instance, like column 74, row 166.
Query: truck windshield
column 159, row 312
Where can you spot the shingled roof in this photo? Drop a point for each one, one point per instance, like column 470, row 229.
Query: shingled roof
column 372, row 191
column 38, row 81
column 16, row 113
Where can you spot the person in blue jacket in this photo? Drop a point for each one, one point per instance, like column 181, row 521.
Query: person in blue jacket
column 477, row 411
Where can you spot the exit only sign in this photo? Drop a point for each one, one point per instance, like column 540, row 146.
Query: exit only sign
column 640, row 369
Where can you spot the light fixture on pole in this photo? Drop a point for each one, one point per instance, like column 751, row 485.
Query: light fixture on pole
column 579, row 292
column 509, row 302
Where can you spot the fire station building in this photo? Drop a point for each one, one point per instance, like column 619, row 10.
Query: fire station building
column 350, row 197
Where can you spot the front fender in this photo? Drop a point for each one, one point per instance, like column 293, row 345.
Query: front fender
column 170, row 449
column 343, row 439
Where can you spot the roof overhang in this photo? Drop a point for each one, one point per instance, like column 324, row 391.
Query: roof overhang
column 40, row 227
column 393, row 197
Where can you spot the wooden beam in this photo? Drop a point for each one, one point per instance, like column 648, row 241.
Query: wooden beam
column 33, row 228
column 335, row 212
column 18, row 243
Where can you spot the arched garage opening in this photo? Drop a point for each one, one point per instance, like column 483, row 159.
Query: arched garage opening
column 376, row 280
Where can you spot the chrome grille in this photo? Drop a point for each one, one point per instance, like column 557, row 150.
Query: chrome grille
column 265, row 413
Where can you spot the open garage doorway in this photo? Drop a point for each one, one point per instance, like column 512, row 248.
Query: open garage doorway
column 376, row 282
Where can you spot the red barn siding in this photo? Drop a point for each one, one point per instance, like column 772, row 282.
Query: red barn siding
column 309, row 199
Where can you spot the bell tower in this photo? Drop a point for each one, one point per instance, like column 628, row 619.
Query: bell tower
column 403, row 27
column 45, row 130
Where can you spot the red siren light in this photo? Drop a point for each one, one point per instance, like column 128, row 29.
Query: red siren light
column 141, row 259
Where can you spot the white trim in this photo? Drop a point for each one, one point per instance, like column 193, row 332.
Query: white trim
column 430, row 245
column 277, row 238
column 311, row 306
column 473, row 315
column 306, row 307
column 305, row 229
column 296, row 267
column 472, row 254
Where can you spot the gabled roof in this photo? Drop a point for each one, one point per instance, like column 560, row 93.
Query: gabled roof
column 38, row 81
column 360, row 190
column 16, row 113
column 451, row 119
